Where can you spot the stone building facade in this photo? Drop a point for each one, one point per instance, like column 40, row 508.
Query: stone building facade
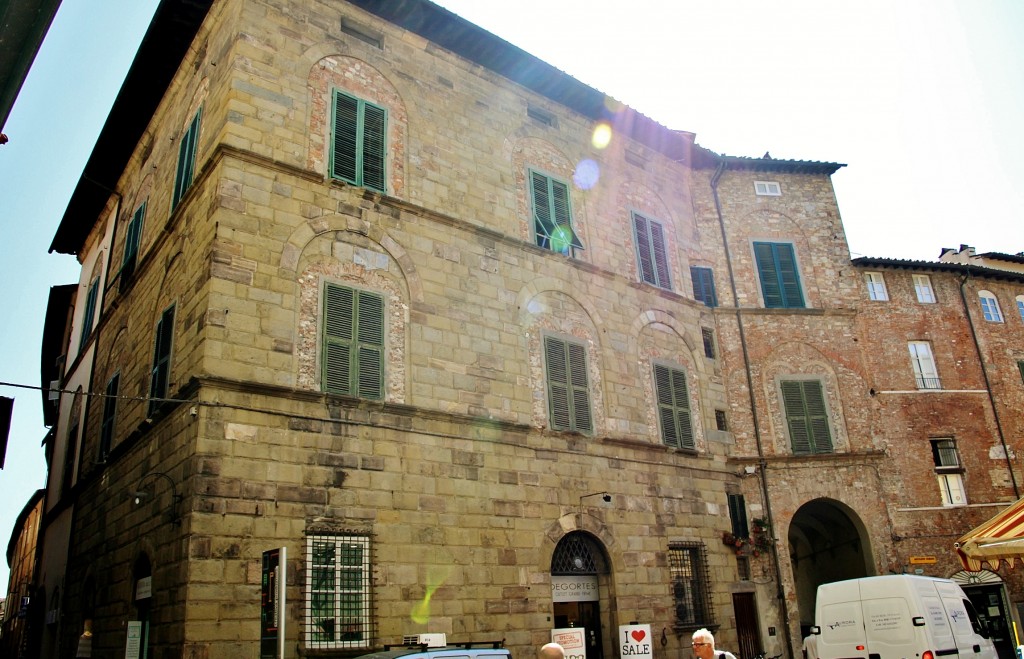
column 371, row 287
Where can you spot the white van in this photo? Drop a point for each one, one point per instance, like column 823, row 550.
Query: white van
column 900, row 616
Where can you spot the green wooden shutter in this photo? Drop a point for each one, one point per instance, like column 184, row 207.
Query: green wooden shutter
column 651, row 252
column 703, row 285
column 643, row 249
column 780, row 281
column 1020, row 367
column 344, row 155
column 90, row 312
column 374, row 140
column 186, row 160
column 738, row 516
column 370, row 314
column 552, row 214
column 568, row 392
column 673, row 407
column 109, row 413
column 806, row 416
column 768, row 272
column 580, row 390
column 660, row 255
column 353, row 362
column 160, row 374
column 359, row 142
column 557, row 361
column 132, row 240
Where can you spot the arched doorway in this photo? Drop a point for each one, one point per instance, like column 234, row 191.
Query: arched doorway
column 142, row 593
column 579, row 568
column 986, row 592
column 827, row 542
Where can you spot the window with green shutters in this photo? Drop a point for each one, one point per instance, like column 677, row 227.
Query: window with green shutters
column 359, row 142
column 132, row 239
column 186, row 160
column 109, row 414
column 738, row 516
column 780, row 280
column 568, row 392
column 652, row 255
column 353, row 352
column 703, row 285
column 673, row 407
column 806, row 416
column 161, row 372
column 552, row 215
column 90, row 312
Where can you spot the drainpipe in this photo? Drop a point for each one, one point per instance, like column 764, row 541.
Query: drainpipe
column 761, row 462
column 984, row 374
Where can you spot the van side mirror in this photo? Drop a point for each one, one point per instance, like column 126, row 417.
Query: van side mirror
column 814, row 630
column 917, row 621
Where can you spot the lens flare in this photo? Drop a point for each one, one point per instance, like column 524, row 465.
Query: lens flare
column 436, row 576
column 602, row 136
column 586, row 174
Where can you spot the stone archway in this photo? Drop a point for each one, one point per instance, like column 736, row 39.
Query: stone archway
column 827, row 542
column 580, row 573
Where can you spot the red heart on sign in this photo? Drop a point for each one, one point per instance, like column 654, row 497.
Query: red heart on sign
column 638, row 635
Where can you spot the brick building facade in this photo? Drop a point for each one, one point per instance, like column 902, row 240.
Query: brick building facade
column 369, row 289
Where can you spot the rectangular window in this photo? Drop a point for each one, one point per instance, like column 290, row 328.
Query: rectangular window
column 708, row 335
column 876, row 286
column 70, row 451
column 552, row 215
column 767, row 189
column 338, row 606
column 921, row 359
column 688, row 569
column 1020, row 367
column 673, row 407
column 949, row 472
column 1020, row 306
column 109, row 416
column 359, row 142
column 568, row 387
column 90, row 312
column 353, row 352
column 703, row 285
column 721, row 421
column 161, row 372
column 738, row 516
column 806, row 416
column 132, row 239
column 652, row 254
column 780, row 281
column 186, row 160
column 923, row 288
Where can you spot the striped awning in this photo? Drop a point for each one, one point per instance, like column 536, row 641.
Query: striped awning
column 999, row 539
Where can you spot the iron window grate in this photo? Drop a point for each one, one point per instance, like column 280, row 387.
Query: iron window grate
column 688, row 568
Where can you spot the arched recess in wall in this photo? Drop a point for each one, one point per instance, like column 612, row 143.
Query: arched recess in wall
column 771, row 226
column 790, row 362
column 334, row 71
column 661, row 339
column 542, row 156
column 548, row 306
column 619, row 235
column 350, row 252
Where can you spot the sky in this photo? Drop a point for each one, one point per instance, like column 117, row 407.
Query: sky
column 921, row 99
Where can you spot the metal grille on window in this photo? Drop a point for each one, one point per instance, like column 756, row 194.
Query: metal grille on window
column 338, row 604
column 578, row 554
column 690, row 579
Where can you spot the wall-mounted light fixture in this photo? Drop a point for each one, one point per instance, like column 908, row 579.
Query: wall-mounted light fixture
column 605, row 497
column 140, row 494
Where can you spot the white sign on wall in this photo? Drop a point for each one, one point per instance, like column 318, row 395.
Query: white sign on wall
column 635, row 642
column 133, row 644
column 581, row 588
column 572, row 641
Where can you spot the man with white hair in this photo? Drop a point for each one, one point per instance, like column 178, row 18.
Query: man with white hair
column 704, row 646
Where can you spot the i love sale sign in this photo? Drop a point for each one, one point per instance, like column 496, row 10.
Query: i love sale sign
column 635, row 642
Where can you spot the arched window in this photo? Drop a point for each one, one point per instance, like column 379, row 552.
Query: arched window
column 990, row 307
